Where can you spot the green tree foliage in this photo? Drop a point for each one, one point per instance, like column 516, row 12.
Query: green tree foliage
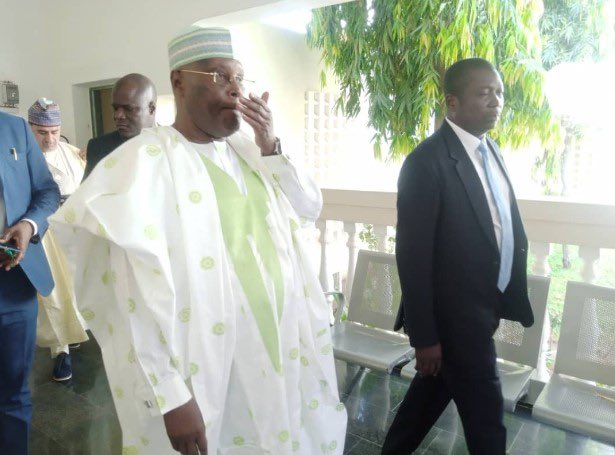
column 394, row 53
column 571, row 31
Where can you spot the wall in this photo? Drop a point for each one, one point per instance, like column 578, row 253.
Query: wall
column 24, row 54
column 78, row 45
column 279, row 62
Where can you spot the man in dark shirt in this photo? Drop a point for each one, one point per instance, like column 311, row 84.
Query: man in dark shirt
column 134, row 108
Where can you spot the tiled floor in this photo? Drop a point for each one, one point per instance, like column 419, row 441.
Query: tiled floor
column 79, row 418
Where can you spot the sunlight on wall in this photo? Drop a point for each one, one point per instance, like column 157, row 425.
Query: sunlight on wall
column 165, row 110
column 295, row 21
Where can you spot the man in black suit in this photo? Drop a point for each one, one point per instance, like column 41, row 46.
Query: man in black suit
column 134, row 108
column 461, row 253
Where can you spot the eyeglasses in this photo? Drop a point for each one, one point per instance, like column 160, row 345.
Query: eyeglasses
column 221, row 79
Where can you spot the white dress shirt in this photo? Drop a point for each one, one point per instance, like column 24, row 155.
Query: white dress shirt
column 300, row 189
column 2, row 214
column 3, row 224
column 221, row 155
column 470, row 144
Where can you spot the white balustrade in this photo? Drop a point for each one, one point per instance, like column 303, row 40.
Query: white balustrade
column 325, row 277
column 541, row 252
column 547, row 221
column 351, row 229
column 590, row 256
column 380, row 232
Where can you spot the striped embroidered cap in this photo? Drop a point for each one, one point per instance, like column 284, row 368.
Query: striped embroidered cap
column 198, row 43
column 44, row 112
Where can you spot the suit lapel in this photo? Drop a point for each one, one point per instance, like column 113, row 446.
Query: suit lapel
column 471, row 182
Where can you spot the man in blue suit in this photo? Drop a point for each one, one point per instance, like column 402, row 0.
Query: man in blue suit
column 29, row 195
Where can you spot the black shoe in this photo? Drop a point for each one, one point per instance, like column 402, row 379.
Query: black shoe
column 62, row 371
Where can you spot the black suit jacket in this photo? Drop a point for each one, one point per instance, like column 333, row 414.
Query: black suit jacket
column 447, row 253
column 100, row 147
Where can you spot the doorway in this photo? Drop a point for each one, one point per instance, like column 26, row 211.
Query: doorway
column 102, row 111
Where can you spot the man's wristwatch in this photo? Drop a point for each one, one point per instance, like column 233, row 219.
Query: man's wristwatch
column 277, row 148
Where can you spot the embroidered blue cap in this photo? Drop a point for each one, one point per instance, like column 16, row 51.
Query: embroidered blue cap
column 44, row 112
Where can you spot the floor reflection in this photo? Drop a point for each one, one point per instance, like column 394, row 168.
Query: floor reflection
column 78, row 418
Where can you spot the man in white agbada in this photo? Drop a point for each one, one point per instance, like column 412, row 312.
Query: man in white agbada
column 193, row 276
column 59, row 322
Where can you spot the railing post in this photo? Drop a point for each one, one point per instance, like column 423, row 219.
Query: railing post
column 380, row 231
column 541, row 267
column 325, row 278
column 590, row 256
column 351, row 230
column 541, row 252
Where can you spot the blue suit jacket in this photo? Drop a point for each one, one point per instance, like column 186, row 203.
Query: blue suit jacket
column 29, row 192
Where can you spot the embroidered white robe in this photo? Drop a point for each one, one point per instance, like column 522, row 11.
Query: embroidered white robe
column 164, row 289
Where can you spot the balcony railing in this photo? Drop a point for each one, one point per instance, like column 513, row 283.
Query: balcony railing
column 547, row 221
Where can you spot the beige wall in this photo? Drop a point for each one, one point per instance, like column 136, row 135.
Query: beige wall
column 24, row 51
column 280, row 62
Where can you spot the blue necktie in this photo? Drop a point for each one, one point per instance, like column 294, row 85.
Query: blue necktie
column 503, row 207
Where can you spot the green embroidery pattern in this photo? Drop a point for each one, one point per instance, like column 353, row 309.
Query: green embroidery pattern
column 70, row 216
column 108, row 277
column 153, row 150
column 184, row 314
column 244, row 218
column 293, row 225
column 283, row 436
column 88, row 314
column 110, row 162
column 239, row 440
column 194, row 368
column 101, row 231
column 132, row 356
column 195, row 197
column 326, row 349
column 150, row 232
column 160, row 401
column 207, row 263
